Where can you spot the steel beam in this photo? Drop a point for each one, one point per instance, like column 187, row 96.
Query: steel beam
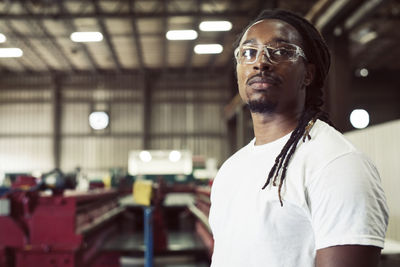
column 72, row 28
column 63, row 15
column 107, row 36
column 56, row 105
column 189, row 51
column 138, row 44
column 165, row 43
column 28, row 44
column 47, row 37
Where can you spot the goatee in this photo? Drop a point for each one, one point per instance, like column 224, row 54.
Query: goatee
column 261, row 106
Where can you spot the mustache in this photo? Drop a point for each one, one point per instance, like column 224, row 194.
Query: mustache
column 264, row 78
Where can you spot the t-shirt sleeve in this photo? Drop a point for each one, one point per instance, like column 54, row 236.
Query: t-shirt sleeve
column 347, row 203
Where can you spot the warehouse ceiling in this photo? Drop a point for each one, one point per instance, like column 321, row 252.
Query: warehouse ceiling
column 135, row 32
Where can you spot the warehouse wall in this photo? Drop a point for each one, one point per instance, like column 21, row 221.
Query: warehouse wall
column 25, row 125
column 381, row 144
column 185, row 112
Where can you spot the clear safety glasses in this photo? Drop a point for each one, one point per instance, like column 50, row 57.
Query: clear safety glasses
column 278, row 53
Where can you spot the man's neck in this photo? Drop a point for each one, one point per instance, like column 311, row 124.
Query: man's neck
column 270, row 127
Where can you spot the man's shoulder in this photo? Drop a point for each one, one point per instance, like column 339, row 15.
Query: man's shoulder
column 326, row 140
column 326, row 145
column 238, row 156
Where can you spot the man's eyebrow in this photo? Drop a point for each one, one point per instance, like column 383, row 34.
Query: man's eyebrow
column 251, row 41
column 275, row 40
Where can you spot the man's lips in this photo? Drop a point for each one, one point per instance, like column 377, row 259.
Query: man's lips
column 260, row 85
column 263, row 82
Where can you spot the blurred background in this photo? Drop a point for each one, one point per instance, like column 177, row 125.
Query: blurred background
column 98, row 95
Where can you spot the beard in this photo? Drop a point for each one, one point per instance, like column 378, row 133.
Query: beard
column 261, row 106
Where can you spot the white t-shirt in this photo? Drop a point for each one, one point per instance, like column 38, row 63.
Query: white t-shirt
column 332, row 195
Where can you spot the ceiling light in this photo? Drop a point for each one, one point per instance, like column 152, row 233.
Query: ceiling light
column 86, row 36
column 98, row 120
column 181, row 35
column 359, row 118
column 2, row 38
column 174, row 156
column 363, row 72
column 11, row 52
column 208, row 49
column 368, row 37
column 215, row 26
column 145, row 156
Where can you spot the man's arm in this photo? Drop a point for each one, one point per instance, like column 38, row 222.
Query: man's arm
column 348, row 256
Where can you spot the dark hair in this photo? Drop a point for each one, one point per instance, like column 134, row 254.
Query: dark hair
column 317, row 53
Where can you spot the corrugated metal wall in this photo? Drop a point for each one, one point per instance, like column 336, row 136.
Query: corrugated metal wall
column 25, row 125
column 381, row 143
column 186, row 112
column 122, row 98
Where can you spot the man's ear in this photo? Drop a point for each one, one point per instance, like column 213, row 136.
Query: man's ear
column 310, row 74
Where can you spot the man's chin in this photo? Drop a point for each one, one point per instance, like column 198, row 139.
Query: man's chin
column 261, row 106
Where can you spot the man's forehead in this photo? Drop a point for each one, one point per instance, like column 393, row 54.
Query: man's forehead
column 274, row 30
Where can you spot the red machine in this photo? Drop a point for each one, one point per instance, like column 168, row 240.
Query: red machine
column 201, row 210
column 39, row 230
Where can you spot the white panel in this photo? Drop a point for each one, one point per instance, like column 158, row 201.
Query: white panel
column 127, row 118
column 119, row 26
column 25, row 154
column 101, row 54
column 177, row 53
column 160, row 162
column 74, row 52
column 97, row 153
column 44, row 48
column 27, row 118
column 149, row 25
column 381, row 143
column 207, row 147
column 126, row 51
column 152, row 49
column 75, row 118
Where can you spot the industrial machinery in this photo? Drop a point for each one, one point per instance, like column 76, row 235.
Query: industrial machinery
column 63, row 228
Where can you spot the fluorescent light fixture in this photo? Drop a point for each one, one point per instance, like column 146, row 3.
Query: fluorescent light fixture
column 364, row 72
column 359, row 118
column 98, row 120
column 208, row 49
column 145, row 156
column 368, row 37
column 215, row 26
column 174, row 156
column 11, row 52
column 181, row 35
column 2, row 38
column 86, row 36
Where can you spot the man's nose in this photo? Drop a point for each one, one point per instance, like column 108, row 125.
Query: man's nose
column 263, row 62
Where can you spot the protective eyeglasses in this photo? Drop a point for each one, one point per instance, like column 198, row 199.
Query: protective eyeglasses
column 278, row 53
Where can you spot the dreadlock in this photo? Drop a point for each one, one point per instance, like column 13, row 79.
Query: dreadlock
column 317, row 53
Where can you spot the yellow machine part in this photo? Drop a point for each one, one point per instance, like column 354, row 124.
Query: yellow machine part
column 142, row 190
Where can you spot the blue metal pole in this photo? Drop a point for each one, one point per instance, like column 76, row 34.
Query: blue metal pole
column 148, row 236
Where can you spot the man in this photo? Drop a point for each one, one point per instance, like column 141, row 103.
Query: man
column 299, row 194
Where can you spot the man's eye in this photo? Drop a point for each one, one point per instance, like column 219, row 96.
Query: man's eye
column 280, row 52
column 249, row 52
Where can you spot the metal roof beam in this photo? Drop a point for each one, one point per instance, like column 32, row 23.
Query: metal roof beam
column 47, row 36
column 28, row 44
column 190, row 47
column 63, row 15
column 164, row 40
column 138, row 44
column 72, row 28
column 107, row 36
